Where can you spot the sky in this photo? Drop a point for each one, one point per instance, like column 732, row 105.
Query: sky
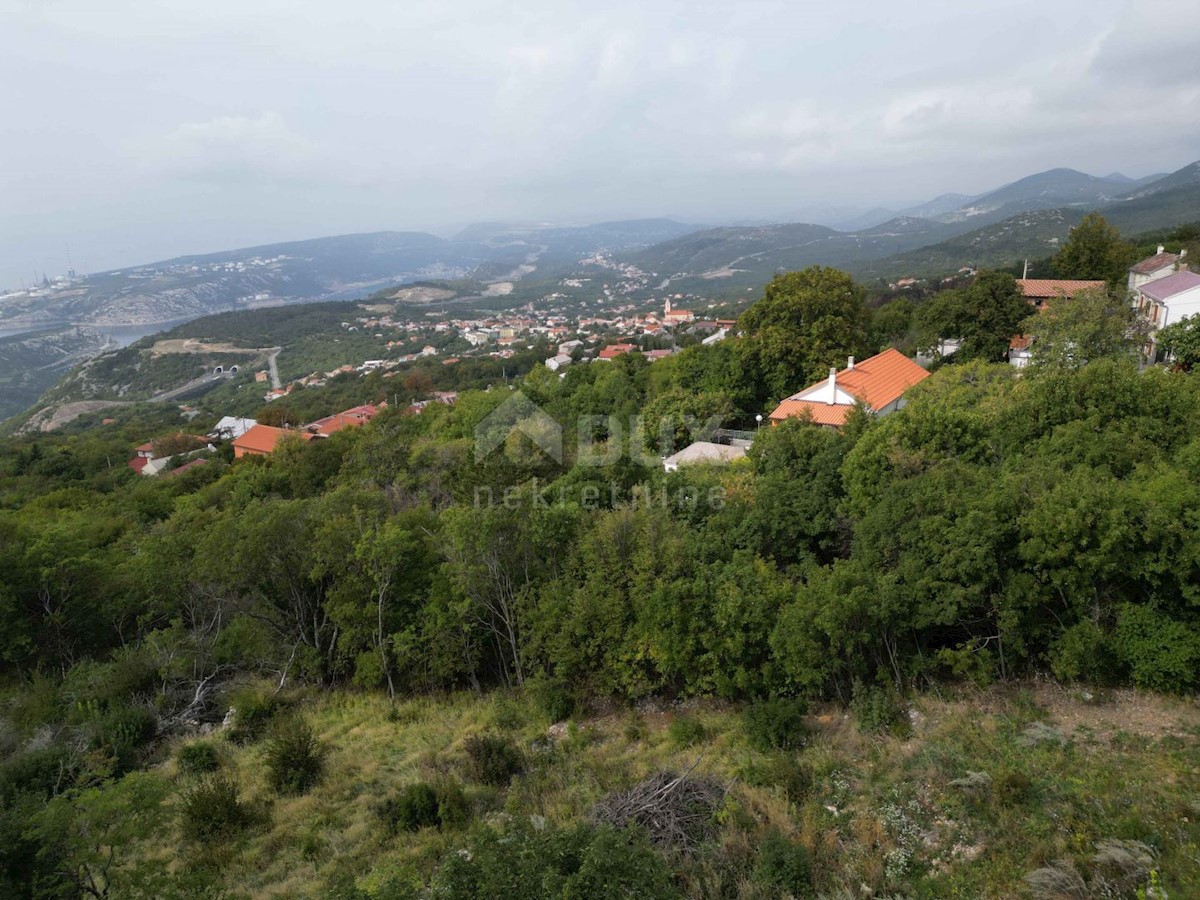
column 138, row 130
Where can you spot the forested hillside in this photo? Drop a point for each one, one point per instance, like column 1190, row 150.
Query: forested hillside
column 906, row 658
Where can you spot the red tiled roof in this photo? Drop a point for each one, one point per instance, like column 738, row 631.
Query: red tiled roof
column 358, row 415
column 1020, row 342
column 138, row 463
column 1152, row 264
column 820, row 413
column 265, row 438
column 1040, row 288
column 612, row 351
column 875, row 382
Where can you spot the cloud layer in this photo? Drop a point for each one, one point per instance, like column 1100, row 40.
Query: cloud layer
column 143, row 130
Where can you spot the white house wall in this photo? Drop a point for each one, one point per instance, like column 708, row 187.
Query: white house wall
column 1180, row 306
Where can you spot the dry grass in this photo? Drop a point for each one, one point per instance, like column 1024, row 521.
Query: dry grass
column 871, row 810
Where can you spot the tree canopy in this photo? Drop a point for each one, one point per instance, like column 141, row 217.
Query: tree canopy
column 1094, row 250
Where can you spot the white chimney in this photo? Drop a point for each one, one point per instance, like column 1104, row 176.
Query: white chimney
column 850, row 363
column 1161, row 248
column 832, row 386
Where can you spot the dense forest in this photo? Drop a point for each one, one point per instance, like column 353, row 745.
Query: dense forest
column 1004, row 526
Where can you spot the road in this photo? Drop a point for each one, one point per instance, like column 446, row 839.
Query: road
column 275, row 382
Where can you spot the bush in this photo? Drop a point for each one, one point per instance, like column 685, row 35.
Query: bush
column 199, row 758
column 578, row 863
column 213, row 810
column 783, row 866
column 493, row 759
column 454, row 809
column 295, row 758
column 423, row 805
column 776, row 724
column 253, row 711
column 877, row 708
column 684, row 732
column 553, row 696
column 414, row 808
column 1162, row 654
column 122, row 731
column 1012, row 787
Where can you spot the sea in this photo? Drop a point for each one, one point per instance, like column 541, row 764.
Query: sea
column 124, row 335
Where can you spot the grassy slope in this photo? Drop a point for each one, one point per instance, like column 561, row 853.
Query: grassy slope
column 881, row 812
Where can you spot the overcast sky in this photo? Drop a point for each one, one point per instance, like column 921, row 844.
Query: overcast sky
column 135, row 130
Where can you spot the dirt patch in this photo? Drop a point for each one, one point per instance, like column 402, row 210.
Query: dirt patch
column 1105, row 712
column 422, row 294
column 191, row 345
column 1077, row 708
column 56, row 416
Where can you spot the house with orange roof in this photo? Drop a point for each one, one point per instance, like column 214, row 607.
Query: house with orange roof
column 676, row 316
column 612, row 351
column 1038, row 290
column 261, row 440
column 878, row 383
column 358, row 415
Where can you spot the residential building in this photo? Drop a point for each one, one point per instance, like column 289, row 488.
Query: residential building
column 1038, row 290
column 349, row 418
column 612, row 351
column 555, row 363
column 1160, row 265
column 230, row 427
column 1167, row 300
column 878, row 383
column 261, row 440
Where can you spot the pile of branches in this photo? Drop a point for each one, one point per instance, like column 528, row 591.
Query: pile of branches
column 677, row 811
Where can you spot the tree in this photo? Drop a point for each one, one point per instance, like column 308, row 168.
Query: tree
column 805, row 322
column 1073, row 330
column 983, row 316
column 1181, row 341
column 1094, row 250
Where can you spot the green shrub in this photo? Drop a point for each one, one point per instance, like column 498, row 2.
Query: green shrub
column 493, row 759
column 414, row 808
column 877, row 708
column 423, row 805
column 41, row 773
column 213, row 810
column 1163, row 654
column 553, row 696
column 454, row 809
column 685, row 731
column 507, row 715
column 199, row 758
column 579, row 863
column 253, row 711
column 776, row 724
column 1082, row 654
column 635, row 728
column 794, row 777
column 783, row 866
column 122, row 731
column 1012, row 787
column 295, row 758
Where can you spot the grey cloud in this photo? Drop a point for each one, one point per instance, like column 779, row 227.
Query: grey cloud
column 210, row 125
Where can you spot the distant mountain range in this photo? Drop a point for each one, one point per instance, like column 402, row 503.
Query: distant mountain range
column 330, row 268
column 1027, row 218
column 944, row 233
